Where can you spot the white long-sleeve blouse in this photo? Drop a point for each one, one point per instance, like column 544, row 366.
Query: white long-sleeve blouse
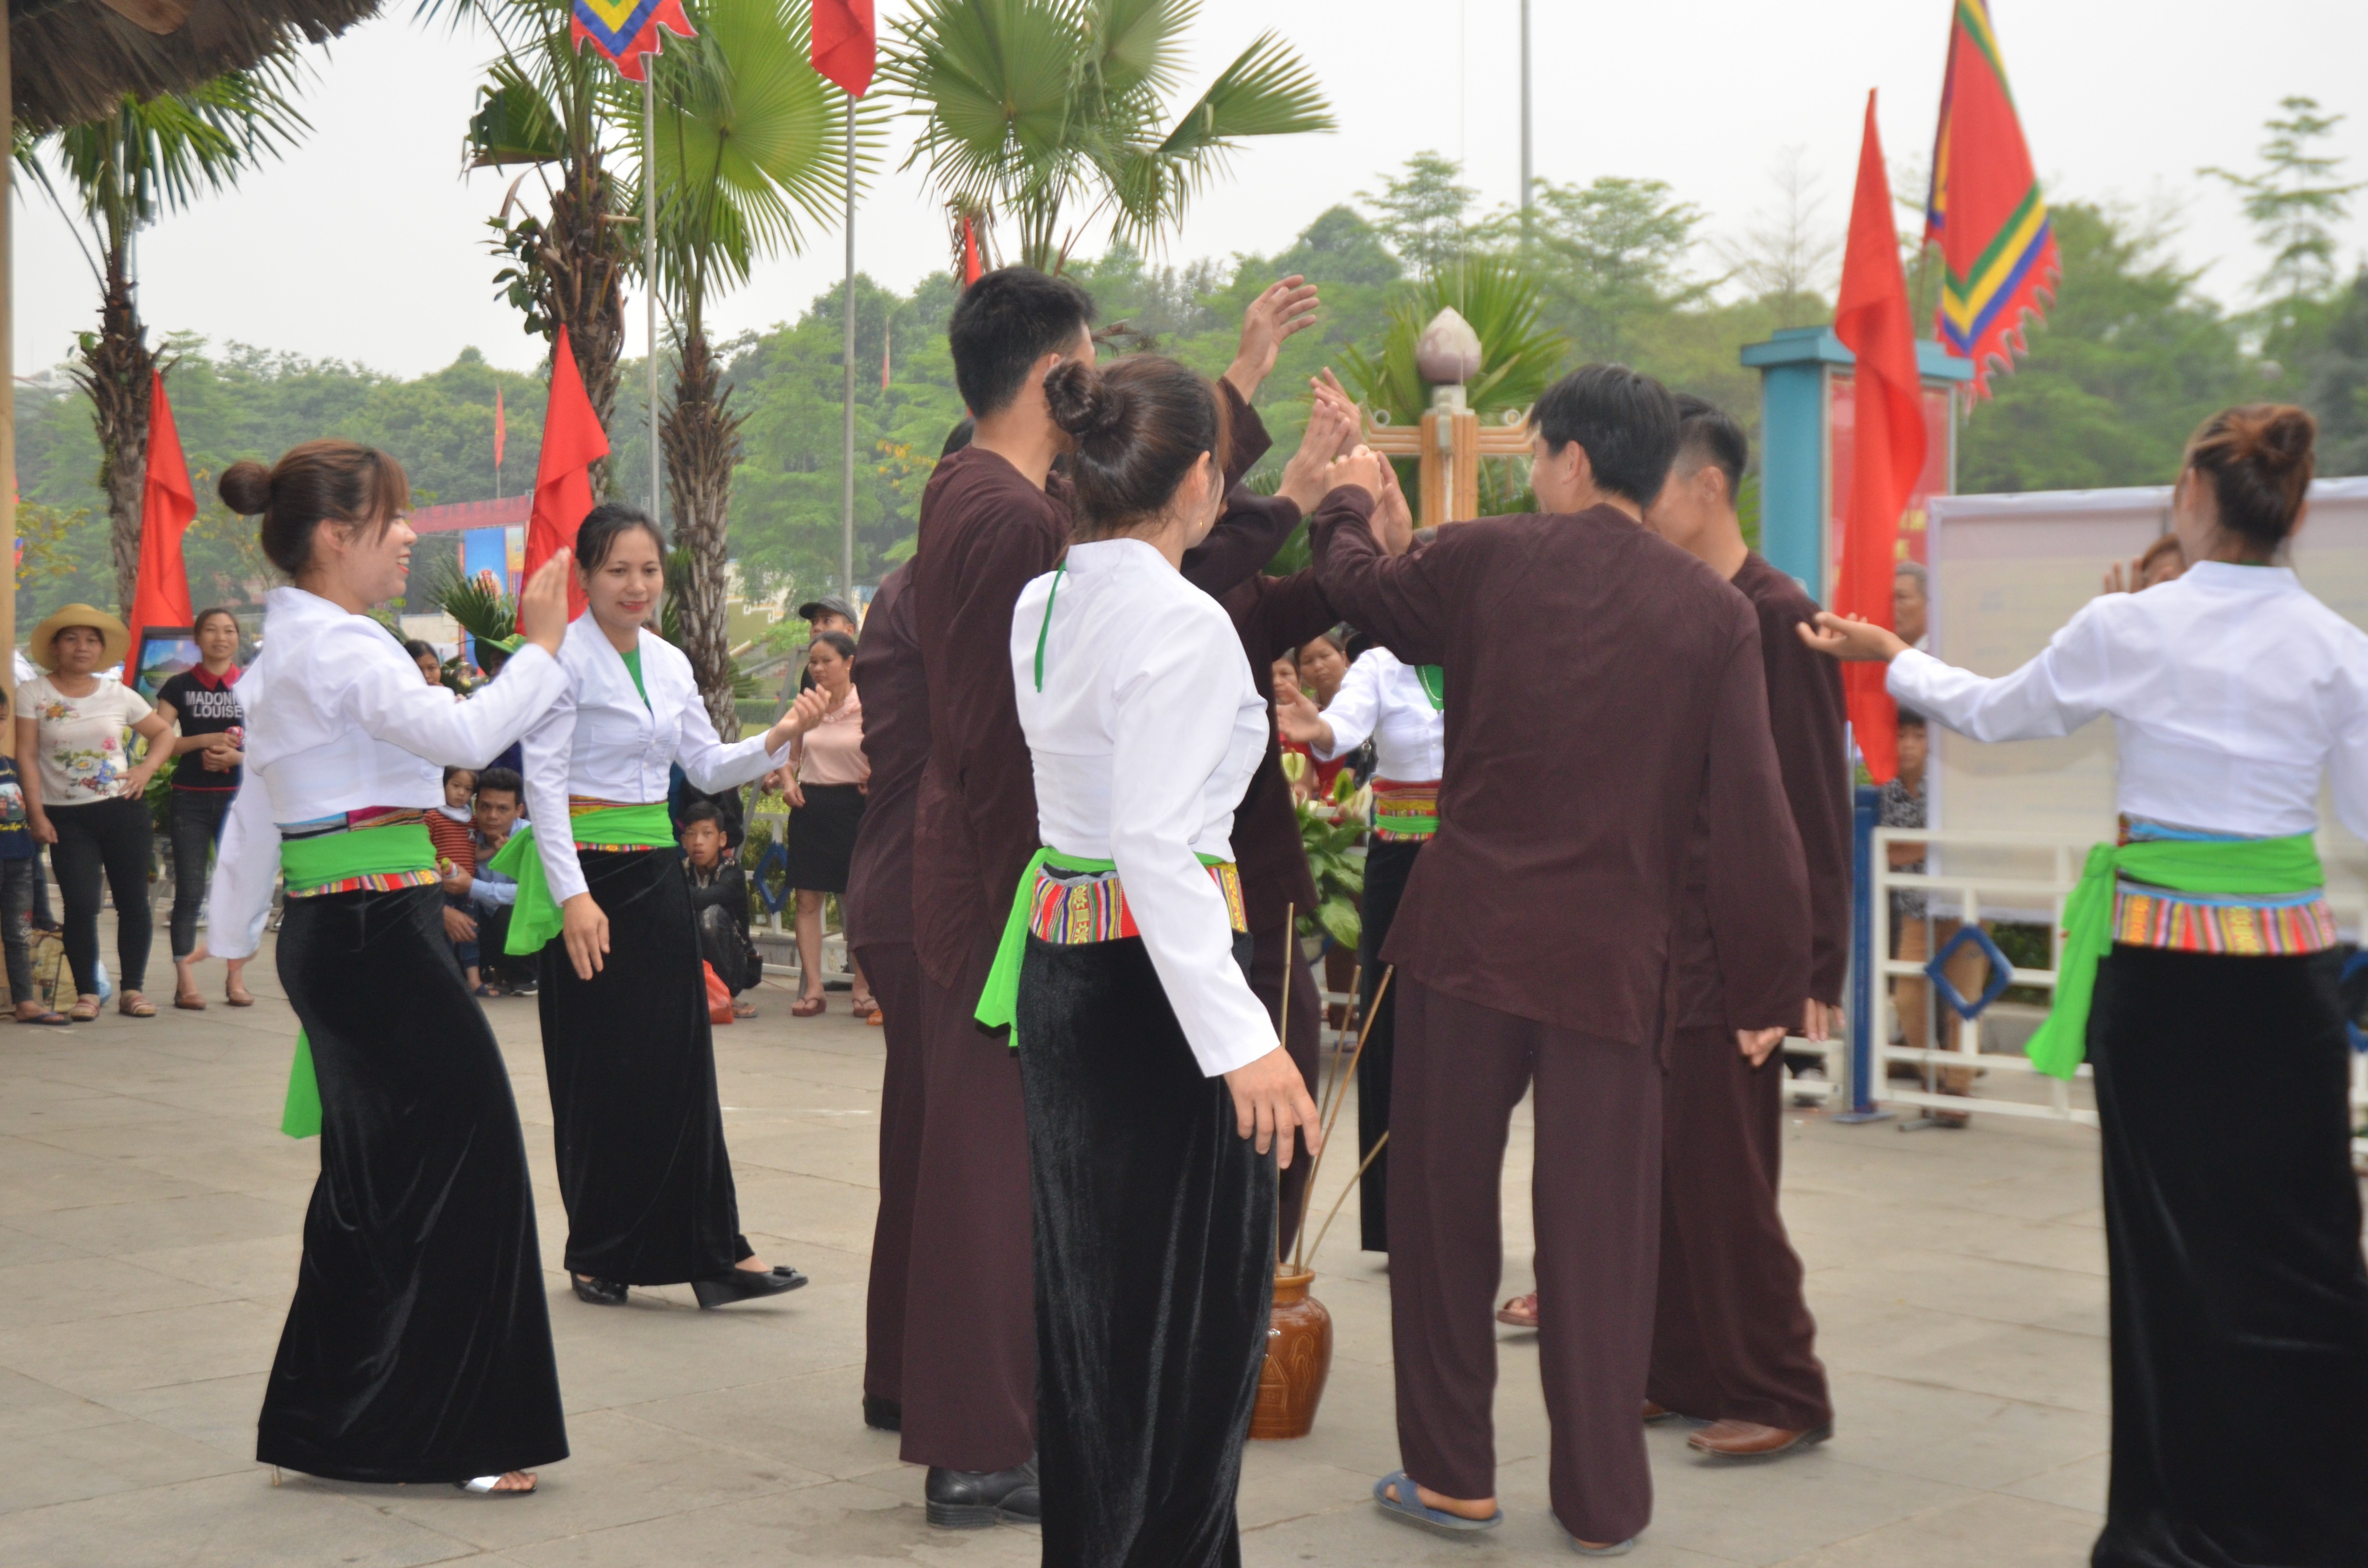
column 337, row 720
column 2233, row 691
column 1143, row 739
column 1381, row 697
column 602, row 740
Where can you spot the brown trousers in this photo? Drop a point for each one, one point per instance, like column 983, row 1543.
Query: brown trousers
column 970, row 1329
column 1303, row 1039
column 1732, row 1334
column 896, row 976
column 1596, row 1196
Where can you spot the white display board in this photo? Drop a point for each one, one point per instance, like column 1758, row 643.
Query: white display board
column 2007, row 570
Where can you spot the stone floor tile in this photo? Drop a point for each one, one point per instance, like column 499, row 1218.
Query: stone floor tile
column 1987, row 1530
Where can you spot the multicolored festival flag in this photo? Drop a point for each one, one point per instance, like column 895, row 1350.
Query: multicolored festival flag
column 1886, row 443
column 625, row 30
column 1984, row 211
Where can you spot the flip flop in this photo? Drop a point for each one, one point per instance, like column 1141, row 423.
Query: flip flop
column 46, row 1018
column 1396, row 1494
column 808, row 1007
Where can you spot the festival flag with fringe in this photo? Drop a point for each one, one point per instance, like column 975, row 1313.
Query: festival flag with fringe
column 626, row 30
column 1983, row 210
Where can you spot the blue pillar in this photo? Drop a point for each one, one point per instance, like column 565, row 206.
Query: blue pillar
column 1794, row 366
column 1865, row 984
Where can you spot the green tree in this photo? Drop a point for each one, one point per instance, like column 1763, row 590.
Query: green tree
column 549, row 109
column 2130, row 360
column 1424, row 213
column 1609, row 257
column 1032, row 108
column 2334, row 381
column 2294, row 202
column 145, row 158
column 749, row 139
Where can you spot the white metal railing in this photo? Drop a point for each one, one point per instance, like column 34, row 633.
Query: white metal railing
column 2002, row 870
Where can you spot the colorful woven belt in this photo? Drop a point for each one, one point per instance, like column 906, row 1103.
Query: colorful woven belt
column 1074, row 910
column 373, row 850
column 2238, row 927
column 1404, row 810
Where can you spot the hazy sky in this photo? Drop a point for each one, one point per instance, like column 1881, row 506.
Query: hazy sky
column 367, row 244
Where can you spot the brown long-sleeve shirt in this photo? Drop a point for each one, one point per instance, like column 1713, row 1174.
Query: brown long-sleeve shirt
column 1273, row 615
column 985, row 532
column 1604, row 696
column 1805, row 716
column 896, row 740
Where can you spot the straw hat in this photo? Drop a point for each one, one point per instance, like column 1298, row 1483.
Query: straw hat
column 42, row 647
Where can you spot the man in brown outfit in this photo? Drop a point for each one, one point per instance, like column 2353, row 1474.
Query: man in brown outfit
column 1604, row 706
column 993, row 517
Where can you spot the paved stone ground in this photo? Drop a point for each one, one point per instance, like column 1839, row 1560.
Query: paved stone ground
column 149, row 1220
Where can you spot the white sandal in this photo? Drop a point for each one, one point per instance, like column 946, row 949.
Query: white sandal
column 491, row 1486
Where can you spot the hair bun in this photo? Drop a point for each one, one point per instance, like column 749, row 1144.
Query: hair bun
column 2275, row 435
column 245, row 488
column 1082, row 402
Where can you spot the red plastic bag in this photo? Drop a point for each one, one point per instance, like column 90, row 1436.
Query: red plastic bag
column 719, row 995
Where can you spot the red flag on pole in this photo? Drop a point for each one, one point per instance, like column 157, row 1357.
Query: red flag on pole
column 160, row 596
column 1888, row 445
column 501, row 427
column 887, row 340
column 972, row 271
column 571, row 438
column 845, row 45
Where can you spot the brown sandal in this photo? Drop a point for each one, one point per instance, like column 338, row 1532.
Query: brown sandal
column 133, row 1004
column 241, row 997
column 193, row 1001
column 865, row 1006
column 808, row 1007
column 85, row 1010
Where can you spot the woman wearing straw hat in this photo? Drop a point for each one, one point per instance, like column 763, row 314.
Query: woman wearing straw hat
column 84, row 794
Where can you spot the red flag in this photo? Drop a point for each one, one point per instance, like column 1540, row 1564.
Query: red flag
column 167, row 503
column 972, row 271
column 845, row 46
column 887, row 339
column 501, row 427
column 571, row 438
column 1887, row 446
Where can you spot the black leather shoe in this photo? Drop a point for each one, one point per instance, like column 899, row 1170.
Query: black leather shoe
column 745, row 1285
column 883, row 1414
column 972, row 1499
column 599, row 1292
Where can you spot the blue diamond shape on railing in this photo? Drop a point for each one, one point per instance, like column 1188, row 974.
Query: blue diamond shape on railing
column 2001, row 972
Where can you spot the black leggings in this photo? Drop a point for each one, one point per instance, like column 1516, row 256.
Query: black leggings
column 114, row 837
column 197, row 827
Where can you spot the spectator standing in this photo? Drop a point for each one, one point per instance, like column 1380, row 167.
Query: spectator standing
column 83, row 797
column 718, row 901
column 1322, row 665
column 826, row 793
column 456, row 861
column 210, row 745
column 20, row 872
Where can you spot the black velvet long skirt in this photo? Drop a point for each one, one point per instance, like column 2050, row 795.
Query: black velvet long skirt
column 636, row 1126
column 1388, row 863
column 2239, row 1295
column 418, row 1346
column 1155, row 1266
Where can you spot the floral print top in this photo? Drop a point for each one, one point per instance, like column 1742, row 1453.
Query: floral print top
column 84, row 756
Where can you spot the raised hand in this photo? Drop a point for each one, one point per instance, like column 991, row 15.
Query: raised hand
column 1851, row 637
column 1331, row 423
column 1288, row 306
column 1362, row 469
column 1393, row 519
column 803, row 715
column 542, row 608
column 1299, row 720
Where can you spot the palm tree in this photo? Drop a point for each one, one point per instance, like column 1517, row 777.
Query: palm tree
column 149, row 156
column 750, row 139
column 553, row 110
column 1029, row 107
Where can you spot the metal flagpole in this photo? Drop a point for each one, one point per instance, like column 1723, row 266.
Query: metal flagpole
column 1525, row 119
column 650, row 257
column 847, row 453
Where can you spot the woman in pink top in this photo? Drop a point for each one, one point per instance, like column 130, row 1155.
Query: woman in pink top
column 829, row 774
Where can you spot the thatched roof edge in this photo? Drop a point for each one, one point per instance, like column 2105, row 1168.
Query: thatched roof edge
column 71, row 61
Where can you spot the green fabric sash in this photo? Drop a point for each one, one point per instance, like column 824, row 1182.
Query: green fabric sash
column 537, row 919
column 998, row 1003
column 2244, row 866
column 315, row 862
column 1434, row 685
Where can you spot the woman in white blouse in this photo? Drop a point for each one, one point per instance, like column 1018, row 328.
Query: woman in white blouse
column 1398, row 707
column 637, row 1128
column 1154, row 1083
column 2199, row 974
column 419, row 1346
